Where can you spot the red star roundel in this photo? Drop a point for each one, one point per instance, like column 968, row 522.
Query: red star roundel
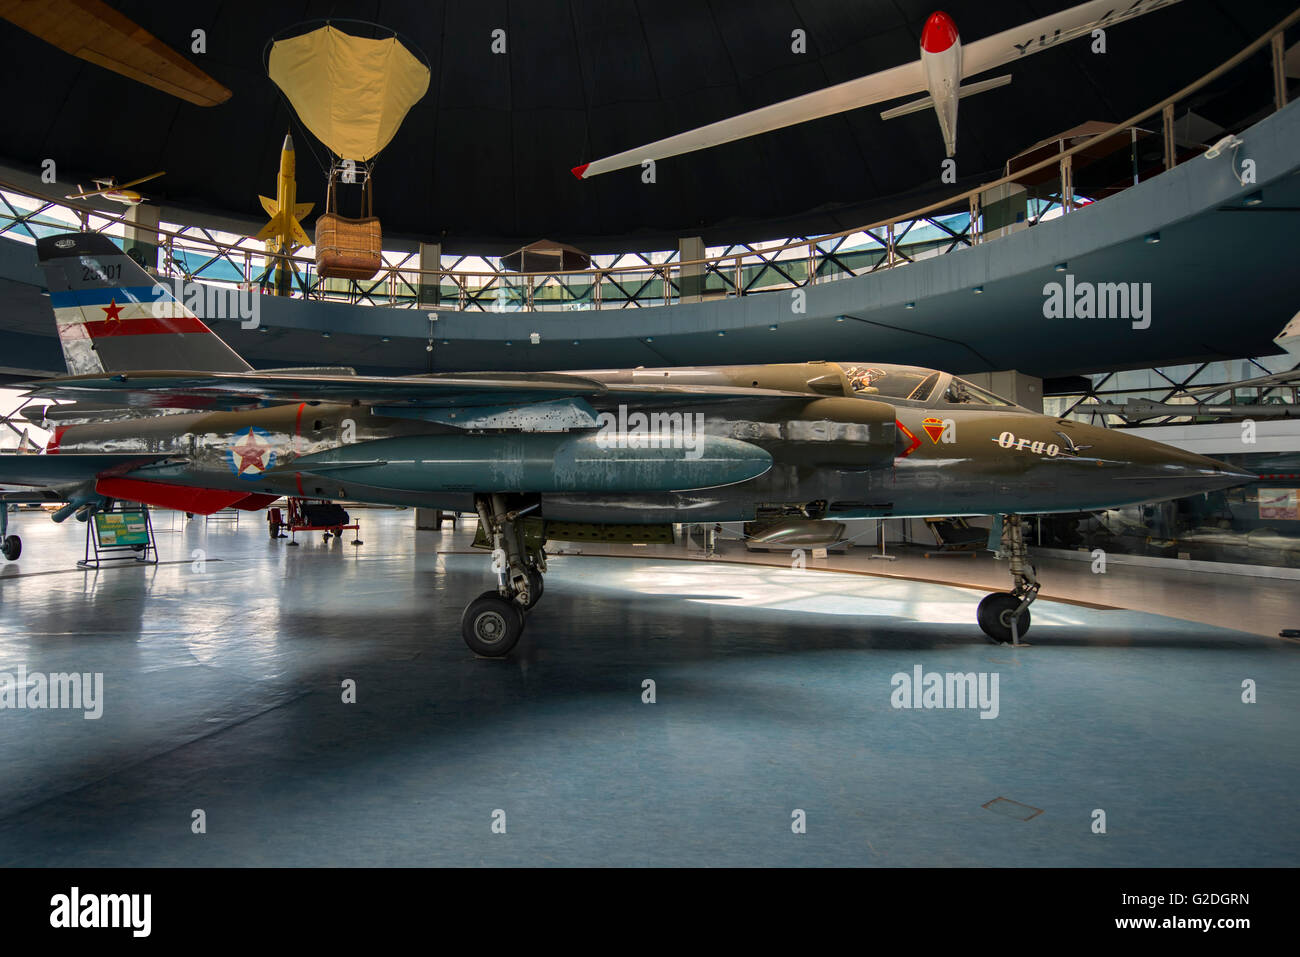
column 252, row 453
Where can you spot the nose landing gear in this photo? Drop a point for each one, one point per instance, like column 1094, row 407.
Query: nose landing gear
column 1004, row 616
column 493, row 622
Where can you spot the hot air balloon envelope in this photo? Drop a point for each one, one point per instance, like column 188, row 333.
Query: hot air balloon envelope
column 352, row 92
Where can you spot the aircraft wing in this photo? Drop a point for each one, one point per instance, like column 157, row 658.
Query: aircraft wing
column 219, row 391
column 224, row 391
column 903, row 80
column 1038, row 35
column 68, row 471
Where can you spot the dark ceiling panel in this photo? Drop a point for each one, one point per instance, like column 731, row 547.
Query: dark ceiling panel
column 482, row 162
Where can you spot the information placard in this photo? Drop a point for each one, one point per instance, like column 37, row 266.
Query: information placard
column 118, row 529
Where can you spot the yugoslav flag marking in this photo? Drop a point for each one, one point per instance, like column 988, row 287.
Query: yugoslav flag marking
column 126, row 319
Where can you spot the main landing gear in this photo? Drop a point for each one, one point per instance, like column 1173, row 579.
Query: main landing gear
column 1004, row 616
column 492, row 623
column 11, row 546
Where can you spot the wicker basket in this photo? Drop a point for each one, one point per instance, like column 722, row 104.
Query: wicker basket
column 348, row 248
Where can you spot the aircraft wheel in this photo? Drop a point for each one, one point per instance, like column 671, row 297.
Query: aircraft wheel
column 274, row 529
column 12, row 548
column 994, row 616
column 536, row 586
column 491, row 625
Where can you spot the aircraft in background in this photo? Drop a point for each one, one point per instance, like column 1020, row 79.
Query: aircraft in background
column 109, row 188
column 939, row 73
column 177, row 419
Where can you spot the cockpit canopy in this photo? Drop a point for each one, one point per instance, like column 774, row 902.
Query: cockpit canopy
column 883, row 381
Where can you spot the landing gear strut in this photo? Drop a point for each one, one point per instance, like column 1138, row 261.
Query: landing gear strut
column 1004, row 616
column 492, row 623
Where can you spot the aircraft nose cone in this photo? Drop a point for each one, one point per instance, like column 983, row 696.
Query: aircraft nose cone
column 1134, row 468
column 939, row 33
column 1186, row 473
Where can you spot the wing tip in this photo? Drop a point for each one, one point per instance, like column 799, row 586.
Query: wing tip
column 580, row 172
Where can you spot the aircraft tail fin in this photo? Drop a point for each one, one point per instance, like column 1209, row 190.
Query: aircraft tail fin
column 112, row 316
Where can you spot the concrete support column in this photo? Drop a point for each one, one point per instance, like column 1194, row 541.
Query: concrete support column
column 430, row 286
column 142, row 235
column 428, row 519
column 691, row 277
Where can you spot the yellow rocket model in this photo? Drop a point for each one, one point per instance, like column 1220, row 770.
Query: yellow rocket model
column 284, row 229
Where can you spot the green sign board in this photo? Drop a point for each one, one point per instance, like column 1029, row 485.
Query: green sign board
column 122, row 528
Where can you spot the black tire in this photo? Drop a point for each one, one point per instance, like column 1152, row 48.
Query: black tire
column 491, row 625
column 12, row 548
column 536, row 586
column 274, row 529
column 994, row 617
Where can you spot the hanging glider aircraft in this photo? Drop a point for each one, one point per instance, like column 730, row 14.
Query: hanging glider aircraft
column 109, row 188
column 165, row 413
column 940, row 73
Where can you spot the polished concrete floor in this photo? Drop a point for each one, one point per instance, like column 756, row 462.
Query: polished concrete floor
column 223, row 670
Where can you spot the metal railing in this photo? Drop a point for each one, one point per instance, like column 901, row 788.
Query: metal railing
column 195, row 253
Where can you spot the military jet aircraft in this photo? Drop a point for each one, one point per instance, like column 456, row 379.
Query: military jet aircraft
column 167, row 414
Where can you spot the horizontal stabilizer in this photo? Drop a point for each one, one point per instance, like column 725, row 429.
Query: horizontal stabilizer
column 916, row 106
column 965, row 90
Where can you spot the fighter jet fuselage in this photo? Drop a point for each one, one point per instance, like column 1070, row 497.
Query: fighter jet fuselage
column 848, row 446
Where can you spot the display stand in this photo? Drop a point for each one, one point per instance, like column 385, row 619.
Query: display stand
column 120, row 536
column 223, row 515
column 882, row 554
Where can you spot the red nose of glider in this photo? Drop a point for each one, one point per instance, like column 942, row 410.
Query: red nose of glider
column 940, row 33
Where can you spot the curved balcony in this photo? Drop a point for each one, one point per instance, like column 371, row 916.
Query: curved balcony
column 888, row 291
